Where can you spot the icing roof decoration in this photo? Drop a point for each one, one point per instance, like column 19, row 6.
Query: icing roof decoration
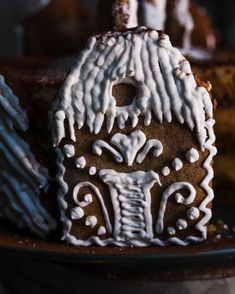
column 141, row 57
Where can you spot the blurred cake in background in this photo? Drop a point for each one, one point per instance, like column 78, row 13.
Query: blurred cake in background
column 60, row 28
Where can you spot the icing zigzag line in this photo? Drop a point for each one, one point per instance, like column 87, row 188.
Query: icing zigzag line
column 206, row 181
column 63, row 190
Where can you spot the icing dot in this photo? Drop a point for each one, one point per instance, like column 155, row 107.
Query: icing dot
column 91, row 221
column 177, row 164
column 179, row 198
column 80, row 162
column 88, row 198
column 101, row 231
column 193, row 213
column 170, row 230
column 192, row 155
column 181, row 224
column 77, row 213
column 92, row 170
column 165, row 171
column 69, row 150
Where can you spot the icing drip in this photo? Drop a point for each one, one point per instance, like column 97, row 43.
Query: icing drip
column 99, row 197
column 185, row 19
column 101, row 231
column 130, row 194
column 147, row 58
column 129, row 145
column 158, row 149
column 192, row 155
column 22, row 178
column 69, row 150
column 80, row 162
column 91, row 221
column 193, row 213
column 177, row 164
column 165, row 171
column 92, row 170
column 180, row 199
column 155, row 13
column 77, row 213
column 181, row 224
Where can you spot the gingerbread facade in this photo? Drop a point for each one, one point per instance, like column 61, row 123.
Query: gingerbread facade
column 133, row 132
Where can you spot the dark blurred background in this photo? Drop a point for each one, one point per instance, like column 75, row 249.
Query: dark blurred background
column 13, row 12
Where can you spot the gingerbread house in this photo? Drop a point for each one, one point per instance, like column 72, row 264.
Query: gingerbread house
column 133, row 133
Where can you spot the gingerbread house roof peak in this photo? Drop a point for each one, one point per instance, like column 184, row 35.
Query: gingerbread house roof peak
column 141, row 57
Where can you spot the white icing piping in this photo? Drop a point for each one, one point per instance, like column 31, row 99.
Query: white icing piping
column 69, row 150
column 21, row 176
column 91, row 221
column 86, row 201
column 165, row 171
column 101, row 231
column 193, row 213
column 97, row 149
column 131, row 199
column 166, row 85
column 201, row 226
column 192, row 155
column 180, row 199
column 99, row 197
column 80, row 162
column 63, row 190
column 177, row 164
column 92, row 170
column 158, row 149
column 77, row 213
column 181, row 224
column 129, row 145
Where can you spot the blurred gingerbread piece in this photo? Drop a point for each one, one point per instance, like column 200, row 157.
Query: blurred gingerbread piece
column 187, row 24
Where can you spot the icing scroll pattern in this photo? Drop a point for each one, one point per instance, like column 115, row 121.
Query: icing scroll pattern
column 97, row 193
column 171, row 190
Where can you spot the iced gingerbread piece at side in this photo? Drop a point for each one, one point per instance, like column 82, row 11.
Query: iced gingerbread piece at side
column 23, row 180
column 133, row 132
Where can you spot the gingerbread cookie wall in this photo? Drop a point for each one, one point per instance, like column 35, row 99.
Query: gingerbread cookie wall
column 134, row 139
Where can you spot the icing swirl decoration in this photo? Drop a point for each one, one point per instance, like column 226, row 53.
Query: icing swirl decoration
column 171, row 190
